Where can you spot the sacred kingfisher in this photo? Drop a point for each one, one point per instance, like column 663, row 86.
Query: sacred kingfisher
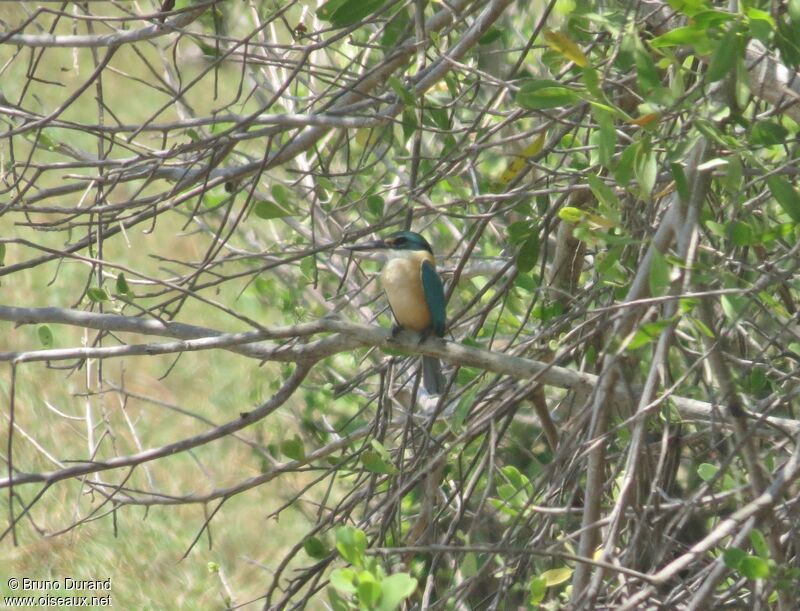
column 415, row 293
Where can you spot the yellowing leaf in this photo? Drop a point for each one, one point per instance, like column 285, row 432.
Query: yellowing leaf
column 599, row 221
column 553, row 577
column 560, row 42
column 645, row 120
column 571, row 214
column 665, row 191
column 516, row 166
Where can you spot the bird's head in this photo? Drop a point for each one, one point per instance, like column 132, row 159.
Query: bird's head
column 397, row 244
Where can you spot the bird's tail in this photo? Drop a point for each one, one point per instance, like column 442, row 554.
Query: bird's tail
column 432, row 377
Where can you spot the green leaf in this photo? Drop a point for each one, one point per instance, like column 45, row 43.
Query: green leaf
column 337, row 602
column 518, row 231
column 648, row 332
column 97, row 295
column 308, row 268
column 215, row 197
column 570, row 214
column 528, row 253
column 592, row 81
column 456, row 421
column 282, row 195
column 315, row 548
column 606, row 137
column 712, row 18
column 623, row 173
column 709, row 130
column 400, row 89
column 732, row 556
column 681, row 184
column 724, row 58
column 293, row 448
column 778, row 231
column 220, row 126
column 606, row 265
column 374, row 463
column 378, row 460
column 688, row 7
column 394, row 30
column 208, row 51
column 409, row 123
column 341, row 13
column 375, row 205
column 381, row 450
column 452, row 84
column 440, row 116
column 707, row 471
column 646, row 169
column 45, row 336
column 492, row 34
column 785, row 195
column 46, row 142
column 742, row 234
column 267, row 210
column 786, row 39
column 754, row 567
column 396, row 588
column 603, row 192
column 759, row 543
column 759, row 27
column 537, row 588
column 369, row 590
column 733, row 175
column 794, row 11
column 344, row 580
column 122, row 285
column 757, row 382
column 659, row 277
column 767, row 133
column 469, row 565
column 732, row 306
column 687, row 35
column 553, row 577
column 541, row 94
column 646, row 72
column 2, row 254
column 701, row 326
column 351, row 542
column 516, row 478
column 511, row 495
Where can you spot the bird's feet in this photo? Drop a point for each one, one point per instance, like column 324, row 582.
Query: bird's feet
column 396, row 329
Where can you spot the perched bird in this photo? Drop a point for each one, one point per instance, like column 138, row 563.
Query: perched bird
column 415, row 293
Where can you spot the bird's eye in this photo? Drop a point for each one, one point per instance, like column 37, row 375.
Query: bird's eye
column 400, row 241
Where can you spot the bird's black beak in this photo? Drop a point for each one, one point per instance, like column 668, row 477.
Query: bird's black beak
column 371, row 245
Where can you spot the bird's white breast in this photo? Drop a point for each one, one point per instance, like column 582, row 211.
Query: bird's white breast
column 402, row 282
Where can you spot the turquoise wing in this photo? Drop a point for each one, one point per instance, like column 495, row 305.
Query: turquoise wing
column 434, row 297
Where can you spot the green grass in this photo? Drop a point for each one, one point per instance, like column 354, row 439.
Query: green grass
column 144, row 557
